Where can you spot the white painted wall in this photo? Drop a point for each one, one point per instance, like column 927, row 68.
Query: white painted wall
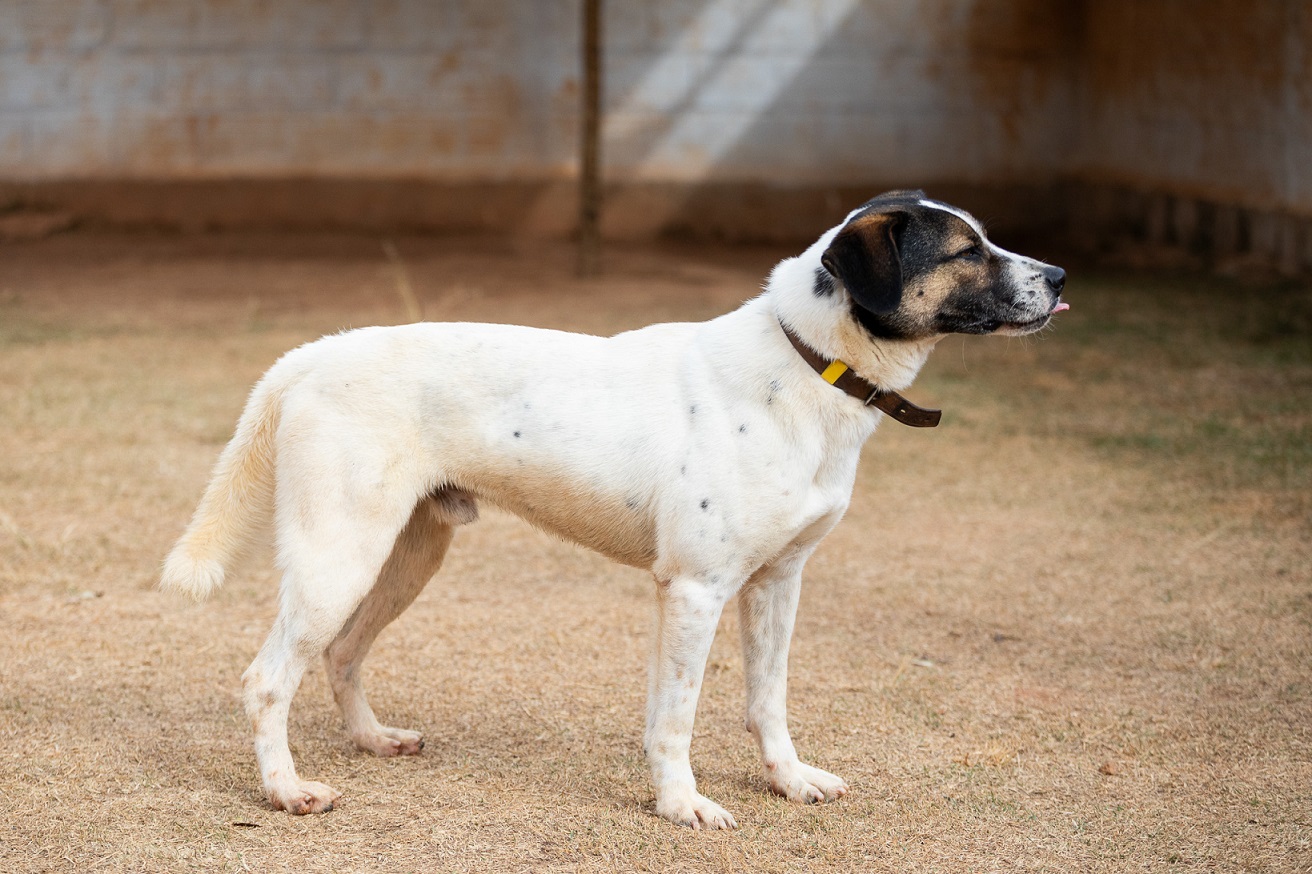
column 790, row 91
column 1204, row 99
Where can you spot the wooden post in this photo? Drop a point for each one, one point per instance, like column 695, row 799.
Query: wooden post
column 590, row 144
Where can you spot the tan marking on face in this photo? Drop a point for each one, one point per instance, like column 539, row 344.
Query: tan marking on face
column 958, row 240
column 923, row 299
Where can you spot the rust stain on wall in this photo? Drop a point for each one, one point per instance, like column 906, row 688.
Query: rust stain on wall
column 1020, row 52
column 1200, row 97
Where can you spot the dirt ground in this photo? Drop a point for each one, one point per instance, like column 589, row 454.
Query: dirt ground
column 1069, row 630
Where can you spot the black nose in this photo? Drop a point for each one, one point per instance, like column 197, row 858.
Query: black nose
column 1056, row 278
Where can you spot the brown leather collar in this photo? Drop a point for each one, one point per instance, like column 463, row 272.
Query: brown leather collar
column 839, row 375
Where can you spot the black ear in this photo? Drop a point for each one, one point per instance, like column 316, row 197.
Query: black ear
column 865, row 258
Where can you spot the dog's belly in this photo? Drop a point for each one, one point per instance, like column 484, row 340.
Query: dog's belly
column 573, row 512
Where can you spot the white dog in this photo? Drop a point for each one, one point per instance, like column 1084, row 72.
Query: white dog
column 715, row 454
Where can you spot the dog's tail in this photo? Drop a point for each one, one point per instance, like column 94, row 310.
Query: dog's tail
column 238, row 503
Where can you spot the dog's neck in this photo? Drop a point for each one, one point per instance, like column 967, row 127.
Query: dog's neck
column 824, row 322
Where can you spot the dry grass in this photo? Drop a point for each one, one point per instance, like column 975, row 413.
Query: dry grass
column 1069, row 630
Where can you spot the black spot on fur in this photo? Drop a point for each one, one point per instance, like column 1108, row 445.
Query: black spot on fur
column 824, row 283
column 742, row 429
column 516, row 433
column 692, row 411
column 706, row 503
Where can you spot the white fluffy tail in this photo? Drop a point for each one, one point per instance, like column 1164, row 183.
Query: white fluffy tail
column 238, row 503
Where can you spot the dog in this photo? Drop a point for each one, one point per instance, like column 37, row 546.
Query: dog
column 716, row 455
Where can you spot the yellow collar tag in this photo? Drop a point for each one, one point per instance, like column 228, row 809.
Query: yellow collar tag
column 833, row 372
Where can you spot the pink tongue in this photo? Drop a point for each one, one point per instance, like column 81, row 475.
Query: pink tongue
column 1061, row 307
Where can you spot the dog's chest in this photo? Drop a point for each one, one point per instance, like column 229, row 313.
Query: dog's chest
column 746, row 491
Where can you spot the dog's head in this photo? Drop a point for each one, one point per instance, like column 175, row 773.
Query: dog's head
column 916, row 268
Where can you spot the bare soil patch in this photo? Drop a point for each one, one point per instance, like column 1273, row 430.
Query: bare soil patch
column 1069, row 630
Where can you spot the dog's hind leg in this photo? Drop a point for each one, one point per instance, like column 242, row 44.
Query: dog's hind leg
column 416, row 556
column 331, row 561
column 269, row 686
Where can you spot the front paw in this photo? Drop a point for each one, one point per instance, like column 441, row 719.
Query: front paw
column 687, row 807
column 802, row 783
column 301, row 797
column 390, row 742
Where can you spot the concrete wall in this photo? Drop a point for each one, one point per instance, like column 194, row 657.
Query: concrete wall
column 787, row 113
column 420, row 100
column 696, row 89
column 187, row 89
column 747, row 118
column 1206, row 98
column 1196, row 126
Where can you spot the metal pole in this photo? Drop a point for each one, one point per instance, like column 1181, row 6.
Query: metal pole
column 590, row 144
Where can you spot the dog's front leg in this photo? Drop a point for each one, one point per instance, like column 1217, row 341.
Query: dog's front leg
column 688, row 612
column 767, row 607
